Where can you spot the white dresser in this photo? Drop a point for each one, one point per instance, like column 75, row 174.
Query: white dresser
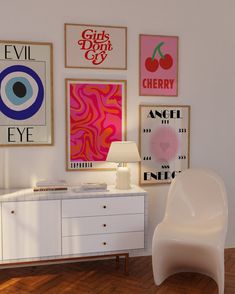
column 39, row 226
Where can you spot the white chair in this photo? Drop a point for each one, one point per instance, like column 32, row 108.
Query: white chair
column 192, row 234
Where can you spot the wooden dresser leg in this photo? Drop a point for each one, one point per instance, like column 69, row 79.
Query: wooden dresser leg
column 126, row 270
column 117, row 261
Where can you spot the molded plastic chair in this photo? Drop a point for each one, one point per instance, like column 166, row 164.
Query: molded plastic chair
column 192, row 234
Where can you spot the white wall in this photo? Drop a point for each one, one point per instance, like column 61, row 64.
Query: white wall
column 206, row 82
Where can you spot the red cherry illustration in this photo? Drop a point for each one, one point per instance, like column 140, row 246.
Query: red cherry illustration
column 151, row 64
column 166, row 61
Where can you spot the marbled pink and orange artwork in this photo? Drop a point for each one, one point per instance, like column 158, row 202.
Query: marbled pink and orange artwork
column 95, row 119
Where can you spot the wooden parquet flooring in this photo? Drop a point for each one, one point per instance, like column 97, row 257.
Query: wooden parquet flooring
column 102, row 277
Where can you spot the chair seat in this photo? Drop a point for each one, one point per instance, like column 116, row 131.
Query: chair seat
column 190, row 233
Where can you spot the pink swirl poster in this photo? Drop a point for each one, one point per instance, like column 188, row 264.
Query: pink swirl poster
column 95, row 118
column 158, row 65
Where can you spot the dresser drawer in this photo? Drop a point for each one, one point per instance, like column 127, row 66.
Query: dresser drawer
column 102, row 206
column 102, row 224
column 102, row 243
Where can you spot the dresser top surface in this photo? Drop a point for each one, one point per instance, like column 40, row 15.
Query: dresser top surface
column 72, row 193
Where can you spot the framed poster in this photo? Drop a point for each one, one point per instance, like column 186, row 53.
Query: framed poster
column 158, row 65
column 26, row 93
column 95, row 46
column 96, row 116
column 164, row 142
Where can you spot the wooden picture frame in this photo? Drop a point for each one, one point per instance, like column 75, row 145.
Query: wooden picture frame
column 164, row 142
column 158, row 65
column 95, row 116
column 95, row 46
column 26, row 93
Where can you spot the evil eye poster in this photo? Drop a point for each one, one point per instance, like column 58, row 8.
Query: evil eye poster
column 25, row 93
column 158, row 65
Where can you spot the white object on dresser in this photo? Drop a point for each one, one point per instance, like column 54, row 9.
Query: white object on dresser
column 123, row 152
column 47, row 226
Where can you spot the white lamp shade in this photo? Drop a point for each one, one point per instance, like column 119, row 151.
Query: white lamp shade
column 123, row 151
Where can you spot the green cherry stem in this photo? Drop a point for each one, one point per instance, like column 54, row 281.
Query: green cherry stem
column 157, row 48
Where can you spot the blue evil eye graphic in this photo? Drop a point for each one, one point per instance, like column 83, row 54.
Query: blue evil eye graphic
column 21, row 92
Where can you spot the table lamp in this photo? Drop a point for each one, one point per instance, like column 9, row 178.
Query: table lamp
column 123, row 152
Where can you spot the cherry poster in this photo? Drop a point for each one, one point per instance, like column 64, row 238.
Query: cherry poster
column 158, row 65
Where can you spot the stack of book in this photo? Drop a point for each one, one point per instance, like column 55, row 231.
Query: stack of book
column 93, row 186
column 90, row 187
column 59, row 185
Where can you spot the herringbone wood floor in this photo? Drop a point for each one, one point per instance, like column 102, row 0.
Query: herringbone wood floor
column 101, row 277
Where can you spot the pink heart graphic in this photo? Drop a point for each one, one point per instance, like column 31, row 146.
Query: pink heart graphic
column 164, row 146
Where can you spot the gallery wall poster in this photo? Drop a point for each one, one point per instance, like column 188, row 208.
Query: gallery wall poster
column 164, row 142
column 96, row 116
column 26, row 97
column 158, row 65
column 95, row 46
